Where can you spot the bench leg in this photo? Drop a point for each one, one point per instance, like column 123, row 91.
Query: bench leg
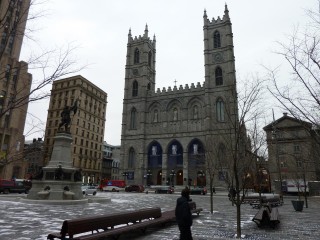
column 143, row 230
column 116, row 237
column 258, row 223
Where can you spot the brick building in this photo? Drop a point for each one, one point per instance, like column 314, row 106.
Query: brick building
column 87, row 126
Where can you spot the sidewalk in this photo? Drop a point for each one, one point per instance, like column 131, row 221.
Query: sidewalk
column 21, row 221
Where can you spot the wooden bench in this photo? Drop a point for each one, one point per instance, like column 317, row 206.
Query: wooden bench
column 267, row 216
column 113, row 225
column 253, row 199
column 166, row 217
column 274, row 202
column 115, row 233
column 107, row 222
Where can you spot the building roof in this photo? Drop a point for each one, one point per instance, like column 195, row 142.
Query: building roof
column 284, row 118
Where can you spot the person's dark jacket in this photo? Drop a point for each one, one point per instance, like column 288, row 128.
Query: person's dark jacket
column 183, row 212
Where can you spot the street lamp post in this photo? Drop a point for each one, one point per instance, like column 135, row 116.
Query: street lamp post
column 172, row 174
column 125, row 175
column 201, row 174
column 149, row 174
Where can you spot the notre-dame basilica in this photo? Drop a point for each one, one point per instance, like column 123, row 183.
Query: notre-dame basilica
column 165, row 131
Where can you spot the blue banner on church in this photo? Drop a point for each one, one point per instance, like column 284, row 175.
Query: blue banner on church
column 130, row 176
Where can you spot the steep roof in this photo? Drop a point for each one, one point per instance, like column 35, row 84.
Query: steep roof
column 287, row 121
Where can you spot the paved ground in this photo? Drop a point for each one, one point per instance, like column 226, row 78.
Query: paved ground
column 32, row 221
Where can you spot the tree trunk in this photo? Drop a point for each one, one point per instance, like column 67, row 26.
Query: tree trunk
column 211, row 195
column 238, row 204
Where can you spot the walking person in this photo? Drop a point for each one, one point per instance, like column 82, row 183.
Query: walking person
column 183, row 215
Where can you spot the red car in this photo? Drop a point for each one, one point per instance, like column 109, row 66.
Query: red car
column 134, row 188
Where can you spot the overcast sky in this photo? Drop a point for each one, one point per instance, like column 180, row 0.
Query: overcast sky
column 100, row 29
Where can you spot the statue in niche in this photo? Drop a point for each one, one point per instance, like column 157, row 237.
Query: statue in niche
column 195, row 148
column 154, row 150
column 175, row 114
column 65, row 116
column 174, row 149
column 195, row 112
column 155, row 116
column 78, row 175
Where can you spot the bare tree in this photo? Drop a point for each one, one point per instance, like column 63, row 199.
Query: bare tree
column 300, row 97
column 240, row 140
column 19, row 87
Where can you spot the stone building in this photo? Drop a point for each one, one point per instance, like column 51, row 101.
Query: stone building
column 293, row 148
column 165, row 132
column 87, row 125
column 33, row 156
column 110, row 162
column 14, row 88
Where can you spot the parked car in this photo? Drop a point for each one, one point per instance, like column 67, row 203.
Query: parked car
column 134, row 188
column 111, row 189
column 198, row 190
column 164, row 189
column 14, row 186
column 87, row 189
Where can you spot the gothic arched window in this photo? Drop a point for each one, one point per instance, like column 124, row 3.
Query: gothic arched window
column 218, row 75
column 216, row 40
column 135, row 89
column 136, row 56
column 133, row 119
column 221, row 153
column 149, row 58
column 132, row 158
column 220, row 110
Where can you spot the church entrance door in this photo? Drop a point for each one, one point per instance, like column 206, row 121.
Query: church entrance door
column 180, row 177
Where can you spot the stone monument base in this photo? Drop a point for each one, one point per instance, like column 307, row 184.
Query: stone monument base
column 55, row 190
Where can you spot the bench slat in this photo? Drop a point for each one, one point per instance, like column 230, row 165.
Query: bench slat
column 111, row 225
column 94, row 223
column 267, row 215
column 165, row 218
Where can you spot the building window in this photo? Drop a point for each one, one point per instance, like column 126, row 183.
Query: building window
column 223, row 176
column 220, row 110
column 136, row 56
column 133, row 119
column 216, row 40
column 132, row 156
column 299, row 163
column 218, row 76
column 283, row 163
column 296, row 148
column 7, row 74
column 149, row 58
column 135, row 89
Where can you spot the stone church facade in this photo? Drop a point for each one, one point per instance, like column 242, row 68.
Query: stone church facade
column 165, row 132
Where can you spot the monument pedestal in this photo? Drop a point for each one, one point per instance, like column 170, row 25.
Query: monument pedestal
column 61, row 181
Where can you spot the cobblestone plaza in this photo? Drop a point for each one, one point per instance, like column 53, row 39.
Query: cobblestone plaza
column 35, row 221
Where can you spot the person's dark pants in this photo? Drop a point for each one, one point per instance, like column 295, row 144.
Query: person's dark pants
column 185, row 233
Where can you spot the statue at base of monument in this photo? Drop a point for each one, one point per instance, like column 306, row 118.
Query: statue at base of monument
column 78, row 175
column 58, row 173
column 65, row 116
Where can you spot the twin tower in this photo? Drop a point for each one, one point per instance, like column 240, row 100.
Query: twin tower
column 165, row 133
